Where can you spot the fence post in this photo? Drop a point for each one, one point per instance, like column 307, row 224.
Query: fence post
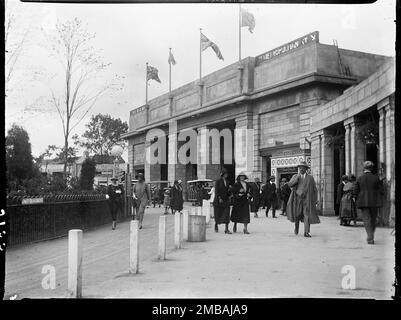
column 206, row 210
column 162, row 237
column 177, row 230
column 134, row 247
column 75, row 263
column 185, row 214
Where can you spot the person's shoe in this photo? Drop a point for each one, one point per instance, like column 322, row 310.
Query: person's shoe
column 140, row 227
column 296, row 230
column 274, row 217
column 307, row 235
column 235, row 228
column 371, row 241
column 246, row 232
column 216, row 228
column 256, row 215
column 227, row 232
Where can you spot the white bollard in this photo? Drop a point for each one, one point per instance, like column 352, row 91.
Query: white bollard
column 185, row 214
column 206, row 210
column 75, row 263
column 177, row 230
column 134, row 247
column 162, row 237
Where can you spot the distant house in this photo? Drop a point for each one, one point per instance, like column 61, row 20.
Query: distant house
column 104, row 167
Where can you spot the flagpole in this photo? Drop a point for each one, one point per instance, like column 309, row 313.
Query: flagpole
column 239, row 33
column 169, row 75
column 200, row 55
column 146, row 83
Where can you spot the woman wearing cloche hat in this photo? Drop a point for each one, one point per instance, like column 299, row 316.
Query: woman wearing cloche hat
column 242, row 194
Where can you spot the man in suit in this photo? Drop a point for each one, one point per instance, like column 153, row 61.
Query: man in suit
column 256, row 192
column 302, row 202
column 369, row 191
column 340, row 187
column 270, row 194
column 285, row 192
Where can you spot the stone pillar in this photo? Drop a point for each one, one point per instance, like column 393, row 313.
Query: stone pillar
column 390, row 140
column 356, row 148
column 257, row 159
column 244, row 144
column 327, row 171
column 347, row 149
column 382, row 139
column 172, row 151
column 202, row 152
column 316, row 165
column 147, row 161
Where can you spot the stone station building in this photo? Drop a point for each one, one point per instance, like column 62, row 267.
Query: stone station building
column 291, row 100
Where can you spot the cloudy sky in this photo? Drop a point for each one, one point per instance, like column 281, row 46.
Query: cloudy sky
column 129, row 35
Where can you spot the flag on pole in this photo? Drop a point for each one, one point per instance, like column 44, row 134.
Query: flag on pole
column 206, row 43
column 247, row 20
column 152, row 74
column 171, row 59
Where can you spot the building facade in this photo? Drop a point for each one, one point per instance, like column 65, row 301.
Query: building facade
column 268, row 105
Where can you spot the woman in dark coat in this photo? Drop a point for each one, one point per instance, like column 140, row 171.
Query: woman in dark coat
column 177, row 201
column 347, row 210
column 221, row 202
column 242, row 193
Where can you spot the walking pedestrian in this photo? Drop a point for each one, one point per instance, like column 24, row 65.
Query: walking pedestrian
column 346, row 208
column 340, row 190
column 285, row 192
column 242, row 194
column 270, row 194
column 221, row 202
column 369, row 190
column 167, row 201
column 301, row 205
column 141, row 197
column 177, row 200
column 256, row 195
column 115, row 194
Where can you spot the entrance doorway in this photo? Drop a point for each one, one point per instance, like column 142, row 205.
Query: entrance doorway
column 372, row 155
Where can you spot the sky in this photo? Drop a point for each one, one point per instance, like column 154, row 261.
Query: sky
column 129, row 35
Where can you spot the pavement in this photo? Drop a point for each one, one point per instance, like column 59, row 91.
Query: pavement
column 269, row 262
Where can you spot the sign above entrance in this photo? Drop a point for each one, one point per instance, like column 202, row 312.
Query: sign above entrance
column 289, row 161
column 311, row 37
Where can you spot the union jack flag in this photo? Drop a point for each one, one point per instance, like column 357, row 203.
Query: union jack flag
column 152, row 74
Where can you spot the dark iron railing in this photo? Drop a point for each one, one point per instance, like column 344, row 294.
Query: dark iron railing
column 56, row 216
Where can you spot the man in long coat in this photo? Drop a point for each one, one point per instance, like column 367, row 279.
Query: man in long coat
column 369, row 190
column 270, row 194
column 302, row 202
column 285, row 192
column 221, row 202
column 256, row 195
column 340, row 188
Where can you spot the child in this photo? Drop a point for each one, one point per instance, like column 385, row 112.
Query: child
column 166, row 201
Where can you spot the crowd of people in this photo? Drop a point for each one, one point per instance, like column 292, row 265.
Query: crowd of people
column 297, row 199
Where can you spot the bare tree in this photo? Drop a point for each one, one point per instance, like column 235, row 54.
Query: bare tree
column 14, row 41
column 71, row 44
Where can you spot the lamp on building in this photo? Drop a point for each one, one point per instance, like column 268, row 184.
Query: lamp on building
column 116, row 152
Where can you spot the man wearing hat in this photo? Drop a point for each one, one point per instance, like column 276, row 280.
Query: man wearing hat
column 285, row 192
column 221, row 203
column 369, row 191
column 141, row 196
column 270, row 194
column 302, row 202
column 115, row 194
column 340, row 189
